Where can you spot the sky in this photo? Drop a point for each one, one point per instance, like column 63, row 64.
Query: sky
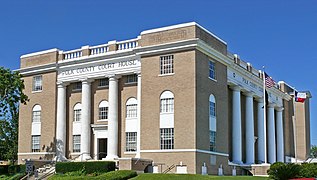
column 278, row 34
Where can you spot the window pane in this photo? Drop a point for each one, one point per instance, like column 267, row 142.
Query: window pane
column 167, row 105
column 36, row 143
column 167, row 64
column 103, row 82
column 76, row 143
column 77, row 86
column 131, row 141
column 37, row 83
column 131, row 110
column 36, row 116
column 212, row 140
column 167, row 138
column 212, row 74
column 132, row 78
column 103, row 113
column 77, row 115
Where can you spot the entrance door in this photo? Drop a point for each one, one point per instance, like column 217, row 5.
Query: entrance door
column 102, row 150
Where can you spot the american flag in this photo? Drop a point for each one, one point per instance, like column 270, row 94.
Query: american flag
column 269, row 82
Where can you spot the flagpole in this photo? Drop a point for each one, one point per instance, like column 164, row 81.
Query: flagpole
column 294, row 125
column 264, row 116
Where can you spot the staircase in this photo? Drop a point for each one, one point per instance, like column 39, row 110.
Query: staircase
column 169, row 169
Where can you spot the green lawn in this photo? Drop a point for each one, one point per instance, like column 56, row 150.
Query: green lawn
column 192, row 176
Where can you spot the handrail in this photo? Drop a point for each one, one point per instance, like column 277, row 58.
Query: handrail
column 169, row 169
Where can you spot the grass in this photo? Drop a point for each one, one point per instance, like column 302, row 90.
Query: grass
column 112, row 175
column 193, row 176
column 12, row 177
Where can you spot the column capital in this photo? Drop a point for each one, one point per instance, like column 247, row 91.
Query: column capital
column 249, row 94
column 235, row 87
column 86, row 80
column 62, row 84
column 113, row 77
column 271, row 105
column 279, row 109
column 259, row 99
column 138, row 73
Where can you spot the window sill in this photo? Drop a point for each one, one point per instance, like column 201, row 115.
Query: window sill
column 75, row 153
column 131, row 118
column 166, row 113
column 130, row 83
column 126, row 152
column 162, row 75
column 39, row 91
column 102, row 120
column 76, row 90
column 103, row 87
column 39, row 122
column 212, row 79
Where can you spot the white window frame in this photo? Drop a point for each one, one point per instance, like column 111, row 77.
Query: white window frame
column 77, row 86
column 103, row 82
column 131, row 108
column 103, row 110
column 76, row 143
column 212, row 123
column 166, row 64
column 77, row 112
column 36, row 113
column 131, row 142
column 167, row 138
column 212, row 70
column 35, row 144
column 37, row 83
column 167, row 102
column 132, row 78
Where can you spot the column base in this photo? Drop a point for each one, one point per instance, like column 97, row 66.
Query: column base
column 111, row 157
column 85, row 157
column 60, row 158
column 237, row 162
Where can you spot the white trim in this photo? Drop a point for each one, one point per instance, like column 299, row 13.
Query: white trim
column 180, row 26
column 184, row 150
column 39, row 53
column 134, row 152
column 169, row 74
column 36, row 153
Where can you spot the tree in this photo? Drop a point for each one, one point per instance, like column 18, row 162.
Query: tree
column 11, row 95
column 313, row 151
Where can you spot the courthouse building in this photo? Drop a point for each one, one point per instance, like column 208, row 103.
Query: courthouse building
column 173, row 95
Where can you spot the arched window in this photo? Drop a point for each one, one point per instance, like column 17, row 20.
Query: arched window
column 131, row 108
column 212, row 123
column 77, row 112
column 36, row 113
column 103, row 110
column 167, row 102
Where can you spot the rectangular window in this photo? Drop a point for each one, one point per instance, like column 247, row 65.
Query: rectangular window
column 103, row 113
column 212, row 109
column 212, row 140
column 77, row 115
column 36, row 116
column 167, row 64
column 132, row 78
column 76, row 143
column 132, row 110
column 131, row 138
column 36, row 143
column 103, row 82
column 167, row 138
column 167, row 105
column 37, row 83
column 77, row 86
column 212, row 73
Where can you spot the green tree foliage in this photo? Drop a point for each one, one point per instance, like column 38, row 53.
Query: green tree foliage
column 313, row 151
column 281, row 171
column 11, row 95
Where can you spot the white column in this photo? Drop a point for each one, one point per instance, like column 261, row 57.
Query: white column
column 112, row 148
column 138, row 154
column 61, row 122
column 271, row 134
column 85, row 120
column 236, row 126
column 260, row 140
column 249, row 128
column 279, row 134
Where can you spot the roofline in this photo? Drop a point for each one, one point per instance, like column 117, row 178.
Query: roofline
column 180, row 26
column 39, row 53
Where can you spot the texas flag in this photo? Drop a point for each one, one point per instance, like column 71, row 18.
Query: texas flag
column 300, row 96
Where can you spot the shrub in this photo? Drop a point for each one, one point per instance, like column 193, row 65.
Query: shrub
column 14, row 169
column 4, row 169
column 118, row 175
column 281, row 171
column 308, row 170
column 88, row 167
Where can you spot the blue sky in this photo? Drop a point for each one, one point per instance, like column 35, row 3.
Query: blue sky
column 280, row 35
